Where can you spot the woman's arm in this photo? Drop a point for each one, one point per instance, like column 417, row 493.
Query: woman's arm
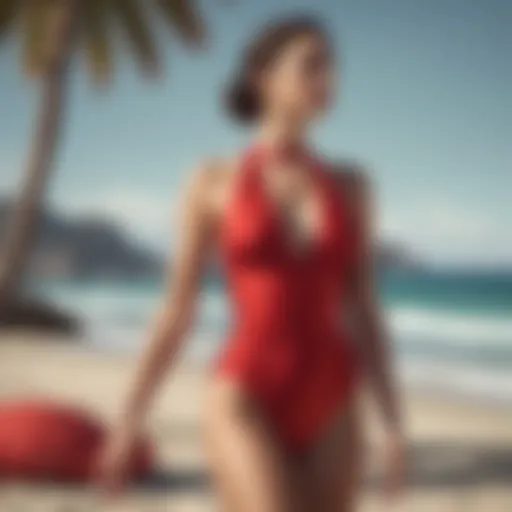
column 375, row 348
column 176, row 312
column 373, row 339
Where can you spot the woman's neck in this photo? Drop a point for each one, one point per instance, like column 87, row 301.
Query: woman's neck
column 281, row 133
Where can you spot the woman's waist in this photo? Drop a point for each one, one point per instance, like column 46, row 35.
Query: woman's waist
column 303, row 332
column 290, row 352
column 287, row 316
column 292, row 300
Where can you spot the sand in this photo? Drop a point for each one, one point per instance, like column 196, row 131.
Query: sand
column 461, row 452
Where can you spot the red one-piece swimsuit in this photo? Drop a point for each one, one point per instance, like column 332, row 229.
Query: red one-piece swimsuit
column 288, row 348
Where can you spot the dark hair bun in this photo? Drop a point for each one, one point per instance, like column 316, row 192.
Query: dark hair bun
column 242, row 101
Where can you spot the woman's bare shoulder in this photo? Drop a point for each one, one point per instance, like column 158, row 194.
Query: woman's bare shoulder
column 210, row 182
column 215, row 171
column 209, row 174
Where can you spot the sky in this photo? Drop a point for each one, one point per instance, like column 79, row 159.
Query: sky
column 425, row 104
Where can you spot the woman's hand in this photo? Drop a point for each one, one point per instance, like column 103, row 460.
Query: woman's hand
column 395, row 462
column 114, row 462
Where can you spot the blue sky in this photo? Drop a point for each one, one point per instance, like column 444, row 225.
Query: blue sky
column 426, row 104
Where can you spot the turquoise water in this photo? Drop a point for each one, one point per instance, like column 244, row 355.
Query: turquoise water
column 451, row 331
column 489, row 293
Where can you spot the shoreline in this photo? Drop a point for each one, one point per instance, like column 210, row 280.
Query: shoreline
column 201, row 363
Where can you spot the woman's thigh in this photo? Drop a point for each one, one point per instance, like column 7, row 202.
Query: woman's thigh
column 332, row 470
column 248, row 465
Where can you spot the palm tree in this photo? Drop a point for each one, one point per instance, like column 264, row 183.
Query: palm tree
column 52, row 31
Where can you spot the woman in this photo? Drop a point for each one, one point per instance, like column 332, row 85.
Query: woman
column 282, row 426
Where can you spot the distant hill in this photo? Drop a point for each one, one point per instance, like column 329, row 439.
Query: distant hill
column 97, row 248
column 85, row 248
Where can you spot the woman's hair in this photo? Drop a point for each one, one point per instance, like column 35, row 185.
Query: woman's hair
column 242, row 96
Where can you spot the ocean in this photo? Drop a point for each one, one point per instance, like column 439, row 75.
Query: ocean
column 451, row 331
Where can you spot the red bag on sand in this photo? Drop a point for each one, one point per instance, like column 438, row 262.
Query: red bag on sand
column 39, row 439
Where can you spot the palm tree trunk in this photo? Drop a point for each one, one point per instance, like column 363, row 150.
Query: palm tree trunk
column 22, row 228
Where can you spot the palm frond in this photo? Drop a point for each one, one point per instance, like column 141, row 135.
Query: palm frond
column 8, row 10
column 95, row 40
column 185, row 18
column 96, row 33
column 134, row 24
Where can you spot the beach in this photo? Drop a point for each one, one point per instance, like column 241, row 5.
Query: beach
column 102, row 227
column 460, row 451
